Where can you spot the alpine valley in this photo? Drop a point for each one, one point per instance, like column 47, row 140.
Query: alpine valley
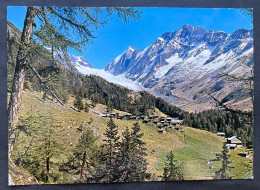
column 183, row 67
column 150, row 115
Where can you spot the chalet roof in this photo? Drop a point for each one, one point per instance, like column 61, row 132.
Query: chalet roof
column 176, row 121
column 220, row 133
column 231, row 145
column 243, row 153
column 233, row 138
column 102, row 115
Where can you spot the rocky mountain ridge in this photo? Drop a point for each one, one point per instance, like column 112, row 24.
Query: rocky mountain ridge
column 184, row 66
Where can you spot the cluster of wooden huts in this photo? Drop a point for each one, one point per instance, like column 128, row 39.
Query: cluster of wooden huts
column 233, row 143
column 163, row 123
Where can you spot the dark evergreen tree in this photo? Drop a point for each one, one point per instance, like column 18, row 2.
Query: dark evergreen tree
column 172, row 171
column 78, row 102
column 86, row 108
column 139, row 163
column 109, row 155
column 132, row 162
column 222, row 173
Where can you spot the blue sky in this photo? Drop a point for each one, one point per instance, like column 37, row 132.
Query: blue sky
column 116, row 36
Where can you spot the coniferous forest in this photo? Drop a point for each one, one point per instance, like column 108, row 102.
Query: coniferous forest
column 59, row 137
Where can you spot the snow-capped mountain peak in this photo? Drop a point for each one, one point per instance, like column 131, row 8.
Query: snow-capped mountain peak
column 116, row 68
column 76, row 62
column 182, row 67
column 178, row 63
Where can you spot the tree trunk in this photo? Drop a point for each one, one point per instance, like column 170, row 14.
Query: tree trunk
column 47, row 168
column 83, row 165
column 19, row 76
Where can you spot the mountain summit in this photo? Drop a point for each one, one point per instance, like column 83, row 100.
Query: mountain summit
column 183, row 66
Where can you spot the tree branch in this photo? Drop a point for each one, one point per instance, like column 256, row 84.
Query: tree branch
column 43, row 82
column 220, row 104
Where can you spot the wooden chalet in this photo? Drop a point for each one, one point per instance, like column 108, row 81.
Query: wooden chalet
column 159, row 126
column 119, row 117
column 162, row 119
column 155, row 122
column 162, row 130
column 114, row 115
column 126, row 117
column 175, row 122
column 145, row 121
column 221, row 134
column 231, row 146
column 244, row 154
column 168, row 119
column 153, row 117
column 166, row 124
column 177, row 128
column 102, row 115
column 132, row 117
column 235, row 140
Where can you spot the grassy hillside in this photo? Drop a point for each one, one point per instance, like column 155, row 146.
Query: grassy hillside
column 243, row 167
column 200, row 148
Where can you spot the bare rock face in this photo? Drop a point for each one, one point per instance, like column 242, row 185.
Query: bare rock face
column 184, row 66
column 12, row 31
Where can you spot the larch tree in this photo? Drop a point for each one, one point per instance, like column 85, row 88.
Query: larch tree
column 84, row 155
column 41, row 131
column 54, row 28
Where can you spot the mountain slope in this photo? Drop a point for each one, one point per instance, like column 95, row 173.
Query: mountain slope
column 183, row 66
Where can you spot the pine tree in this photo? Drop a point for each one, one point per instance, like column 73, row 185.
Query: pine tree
column 172, row 171
column 86, row 108
column 139, row 162
column 222, row 173
column 109, row 156
column 125, row 157
column 78, row 102
column 131, row 161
